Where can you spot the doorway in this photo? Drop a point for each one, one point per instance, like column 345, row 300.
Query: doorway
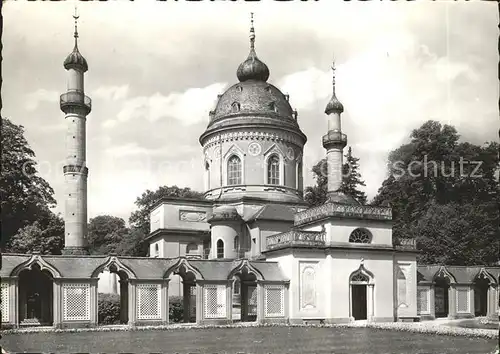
column 441, row 297
column 359, row 303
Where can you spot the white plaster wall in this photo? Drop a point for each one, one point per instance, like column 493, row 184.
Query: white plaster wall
column 332, row 282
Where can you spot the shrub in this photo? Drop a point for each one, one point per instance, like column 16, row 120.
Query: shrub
column 175, row 309
column 109, row 308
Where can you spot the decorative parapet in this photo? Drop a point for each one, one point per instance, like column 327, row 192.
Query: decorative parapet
column 334, row 138
column 405, row 243
column 342, row 210
column 72, row 99
column 296, row 238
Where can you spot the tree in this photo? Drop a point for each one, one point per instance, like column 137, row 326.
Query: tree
column 105, row 233
column 45, row 236
column 25, row 197
column 139, row 220
column 351, row 181
column 436, row 186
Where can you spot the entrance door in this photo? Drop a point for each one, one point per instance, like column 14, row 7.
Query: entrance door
column 441, row 301
column 359, row 308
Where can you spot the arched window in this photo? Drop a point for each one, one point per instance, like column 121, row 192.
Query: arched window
column 360, row 236
column 220, row 249
column 236, row 244
column 157, row 250
column 273, row 170
column 299, row 175
column 235, row 107
column 234, row 170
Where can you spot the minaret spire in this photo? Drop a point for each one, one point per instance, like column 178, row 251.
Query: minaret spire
column 252, row 33
column 76, row 17
column 334, row 142
column 76, row 106
column 252, row 68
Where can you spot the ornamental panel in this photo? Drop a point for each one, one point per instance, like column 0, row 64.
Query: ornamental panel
column 76, row 302
column 307, row 285
column 423, row 300
column 214, row 301
column 274, row 301
column 5, row 302
column 192, row 216
column 463, row 300
column 148, row 301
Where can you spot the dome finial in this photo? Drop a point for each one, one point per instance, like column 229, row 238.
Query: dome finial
column 76, row 17
column 252, row 33
column 75, row 59
column 252, row 68
column 334, row 106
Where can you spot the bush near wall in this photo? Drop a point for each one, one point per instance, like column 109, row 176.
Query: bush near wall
column 175, row 309
column 109, row 308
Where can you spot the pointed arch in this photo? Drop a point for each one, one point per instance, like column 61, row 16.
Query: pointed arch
column 362, row 275
column 483, row 273
column 244, row 267
column 273, row 171
column 444, row 273
column 38, row 260
column 183, row 267
column 114, row 262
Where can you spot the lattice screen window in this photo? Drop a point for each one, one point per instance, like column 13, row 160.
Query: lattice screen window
column 148, row 301
column 76, row 302
column 463, row 300
column 252, row 300
column 215, row 301
column 274, row 300
column 5, row 302
column 423, row 300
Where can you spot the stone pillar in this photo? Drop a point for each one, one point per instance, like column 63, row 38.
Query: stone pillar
column 229, row 301
column 199, row 303
column 432, row 301
column 57, row 303
column 370, row 302
column 472, row 307
column 165, row 309
column 452, row 301
column 492, row 304
column 186, row 289
column 94, row 306
column 132, row 303
column 260, row 302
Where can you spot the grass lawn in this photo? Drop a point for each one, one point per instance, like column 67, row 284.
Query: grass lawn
column 247, row 340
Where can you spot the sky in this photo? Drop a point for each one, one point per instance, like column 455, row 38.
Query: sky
column 155, row 69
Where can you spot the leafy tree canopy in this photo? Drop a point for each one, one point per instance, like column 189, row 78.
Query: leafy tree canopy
column 25, row 197
column 443, row 192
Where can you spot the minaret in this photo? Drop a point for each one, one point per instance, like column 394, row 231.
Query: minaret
column 334, row 142
column 76, row 106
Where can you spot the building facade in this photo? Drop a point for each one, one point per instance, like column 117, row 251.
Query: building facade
column 251, row 250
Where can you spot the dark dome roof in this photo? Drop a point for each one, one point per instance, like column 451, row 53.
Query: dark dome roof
column 252, row 69
column 253, row 96
column 334, row 106
column 75, row 60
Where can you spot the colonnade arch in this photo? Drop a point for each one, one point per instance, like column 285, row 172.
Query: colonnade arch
column 442, row 293
column 245, row 277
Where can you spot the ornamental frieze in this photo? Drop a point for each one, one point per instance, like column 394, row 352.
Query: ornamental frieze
column 235, row 136
column 342, row 210
column 192, row 216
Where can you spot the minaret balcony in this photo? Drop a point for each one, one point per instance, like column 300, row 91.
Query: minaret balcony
column 74, row 99
column 334, row 139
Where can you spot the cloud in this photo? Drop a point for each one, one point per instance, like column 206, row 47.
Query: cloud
column 33, row 99
column 189, row 107
column 111, row 93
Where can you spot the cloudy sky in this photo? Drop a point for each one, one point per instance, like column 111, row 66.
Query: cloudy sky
column 155, row 69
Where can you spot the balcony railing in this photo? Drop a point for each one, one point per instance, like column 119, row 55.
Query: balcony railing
column 296, row 238
column 405, row 243
column 334, row 136
column 75, row 98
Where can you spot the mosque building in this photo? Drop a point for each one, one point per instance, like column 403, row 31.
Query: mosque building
column 251, row 250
